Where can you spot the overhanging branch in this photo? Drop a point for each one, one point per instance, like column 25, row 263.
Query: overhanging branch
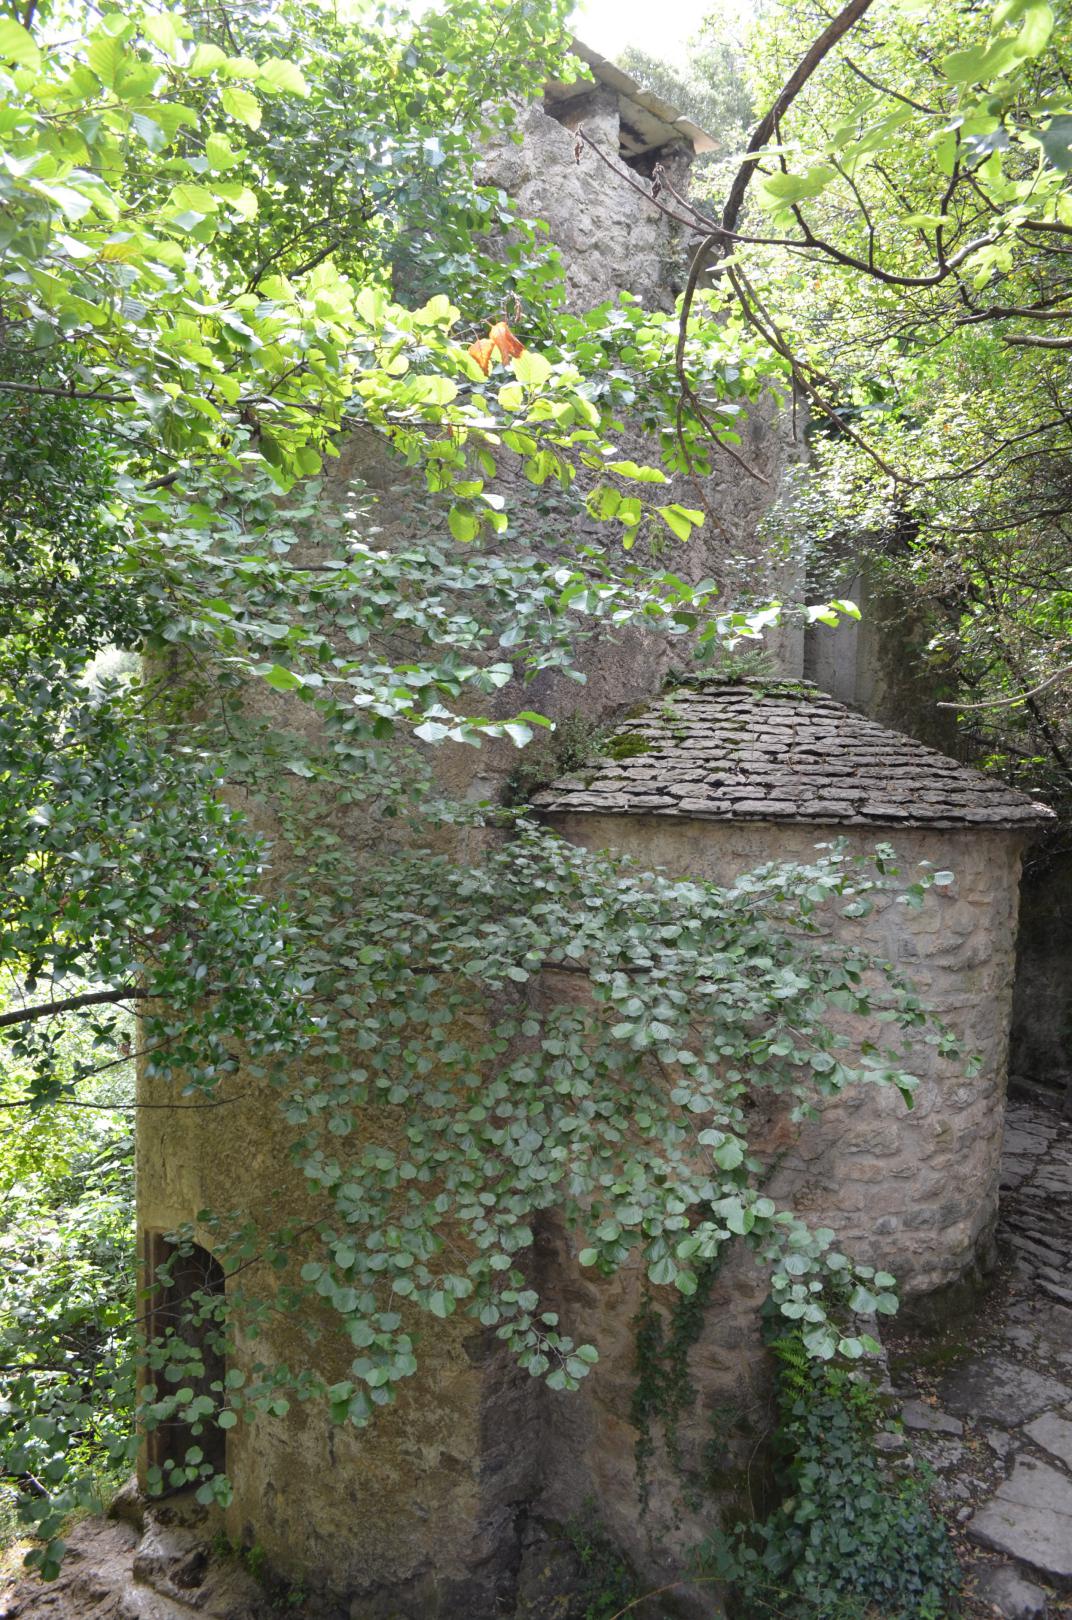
column 50, row 1009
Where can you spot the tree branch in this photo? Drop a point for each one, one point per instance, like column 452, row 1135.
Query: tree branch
column 1026, row 341
column 50, row 1009
column 1020, row 697
column 812, row 59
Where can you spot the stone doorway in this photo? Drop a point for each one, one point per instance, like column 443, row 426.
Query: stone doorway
column 185, row 1281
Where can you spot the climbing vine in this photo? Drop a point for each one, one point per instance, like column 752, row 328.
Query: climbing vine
column 664, row 1390
column 854, row 1533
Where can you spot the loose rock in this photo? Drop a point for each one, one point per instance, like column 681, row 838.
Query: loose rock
column 1011, row 1595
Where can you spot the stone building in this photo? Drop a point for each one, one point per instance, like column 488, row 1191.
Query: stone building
column 441, row 1509
column 714, row 780
column 610, row 239
column 728, row 775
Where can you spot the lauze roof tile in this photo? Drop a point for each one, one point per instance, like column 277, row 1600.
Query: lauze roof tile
column 781, row 751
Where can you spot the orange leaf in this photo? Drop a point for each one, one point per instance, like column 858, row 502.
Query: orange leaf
column 481, row 351
column 504, row 340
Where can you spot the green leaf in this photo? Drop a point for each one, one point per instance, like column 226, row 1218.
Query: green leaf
column 283, row 76
column 463, row 525
column 206, row 59
column 642, row 475
column 729, row 1154
column 981, row 63
column 1056, row 141
column 241, row 104
column 105, row 54
column 220, row 153
column 161, row 28
column 821, row 1342
column 781, row 190
column 17, row 44
column 282, row 679
column 1034, row 36
column 531, row 369
column 680, row 520
column 189, row 196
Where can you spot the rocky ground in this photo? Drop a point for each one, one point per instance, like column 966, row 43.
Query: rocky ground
column 987, row 1405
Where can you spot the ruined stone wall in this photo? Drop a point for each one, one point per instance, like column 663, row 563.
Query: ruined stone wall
column 914, row 1190
column 611, row 240
column 879, row 664
column 412, row 1518
column 1041, row 1041
column 424, row 1515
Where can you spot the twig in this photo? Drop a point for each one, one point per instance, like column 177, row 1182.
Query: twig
column 1021, row 697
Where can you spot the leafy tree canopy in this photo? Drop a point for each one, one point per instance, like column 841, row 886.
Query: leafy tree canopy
column 904, row 249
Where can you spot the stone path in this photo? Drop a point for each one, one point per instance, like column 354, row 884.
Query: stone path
column 989, row 1406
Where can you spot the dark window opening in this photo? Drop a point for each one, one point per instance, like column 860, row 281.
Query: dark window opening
column 186, row 1287
column 572, row 111
column 643, row 162
column 637, row 150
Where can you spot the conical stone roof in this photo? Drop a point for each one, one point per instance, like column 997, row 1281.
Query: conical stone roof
column 781, row 751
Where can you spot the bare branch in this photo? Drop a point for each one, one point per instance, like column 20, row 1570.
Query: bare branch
column 1020, row 697
column 812, row 59
column 1026, row 341
column 50, row 1009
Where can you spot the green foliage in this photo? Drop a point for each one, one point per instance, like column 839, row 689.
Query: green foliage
column 907, row 251
column 571, row 745
column 66, row 1295
column 854, row 1535
column 609, row 1585
column 664, row 1390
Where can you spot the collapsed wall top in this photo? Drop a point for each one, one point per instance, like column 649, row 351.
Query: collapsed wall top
column 648, row 123
column 781, row 751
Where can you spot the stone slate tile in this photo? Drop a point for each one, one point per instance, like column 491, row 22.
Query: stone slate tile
column 1053, row 1431
column 1029, row 1518
column 1009, row 1594
column 924, row 1419
column 995, row 1390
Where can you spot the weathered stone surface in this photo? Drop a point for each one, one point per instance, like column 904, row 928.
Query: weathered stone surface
column 919, row 1416
column 1030, row 1519
column 1000, row 1442
column 999, row 1391
column 1041, row 1035
column 609, row 237
column 1008, row 1592
column 915, row 1191
column 94, row 1583
column 1029, row 1140
column 1053, row 1432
